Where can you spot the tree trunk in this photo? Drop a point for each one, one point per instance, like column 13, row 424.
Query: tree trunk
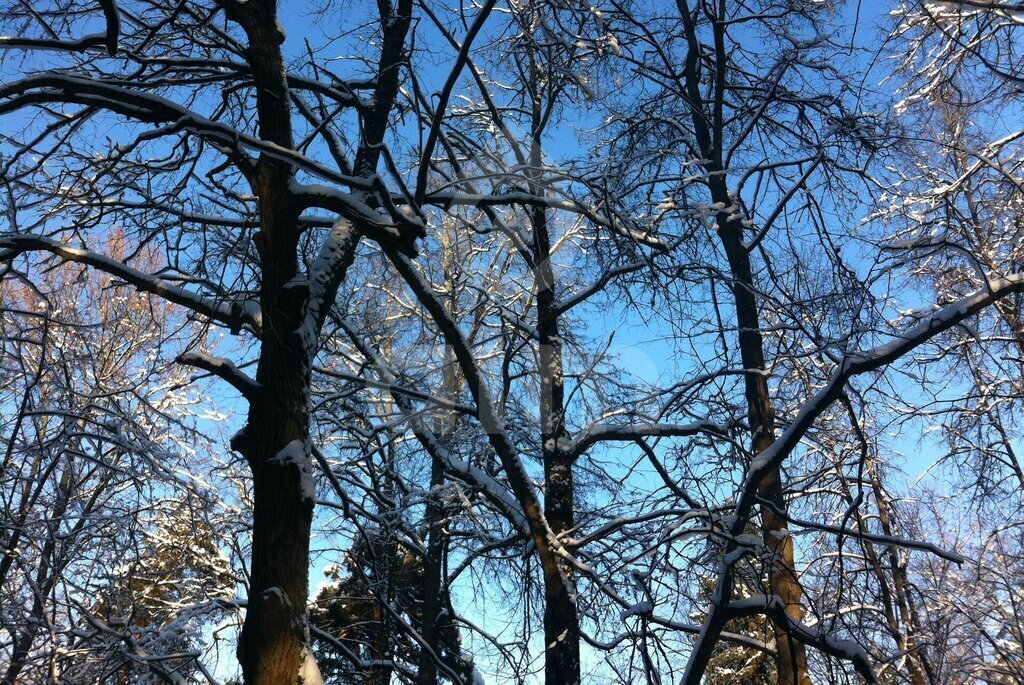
column 709, row 128
column 903, row 634
column 436, row 626
column 561, row 622
column 561, row 618
column 274, row 642
column 273, row 648
column 917, row 663
column 791, row 656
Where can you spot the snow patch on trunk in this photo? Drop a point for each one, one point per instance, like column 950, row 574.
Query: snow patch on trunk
column 296, row 454
column 309, row 672
column 321, row 274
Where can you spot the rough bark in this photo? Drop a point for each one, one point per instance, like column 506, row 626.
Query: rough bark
column 434, row 589
column 274, row 641
column 274, row 644
column 274, row 637
column 561, row 622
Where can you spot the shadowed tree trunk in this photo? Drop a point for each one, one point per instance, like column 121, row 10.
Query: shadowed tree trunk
column 561, row 622
column 274, row 637
column 274, row 644
column 274, row 641
column 433, row 585
column 783, row 582
column 709, row 128
column 898, row 615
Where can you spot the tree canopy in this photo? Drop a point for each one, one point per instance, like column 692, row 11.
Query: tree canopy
column 508, row 341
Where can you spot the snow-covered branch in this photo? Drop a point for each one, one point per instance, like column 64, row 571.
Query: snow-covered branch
column 233, row 315
column 629, row 432
column 224, row 369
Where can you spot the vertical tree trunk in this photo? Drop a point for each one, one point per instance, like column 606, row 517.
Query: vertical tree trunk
column 274, row 641
column 899, row 624
column 791, row 657
column 917, row 663
column 389, row 580
column 561, row 621
column 273, row 647
column 555, row 516
column 709, row 128
column 433, row 562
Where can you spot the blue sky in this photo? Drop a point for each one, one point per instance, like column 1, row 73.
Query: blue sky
column 644, row 347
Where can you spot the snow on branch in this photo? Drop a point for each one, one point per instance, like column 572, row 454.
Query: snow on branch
column 223, row 369
column 854, row 363
column 83, row 44
column 107, row 39
column 396, row 387
column 864, row 361
column 325, row 275
column 448, row 199
column 602, row 432
column 475, row 476
column 773, row 607
column 233, row 315
column 488, row 414
column 56, row 88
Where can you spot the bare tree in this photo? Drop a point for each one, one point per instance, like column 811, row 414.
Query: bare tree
column 423, row 227
column 94, row 490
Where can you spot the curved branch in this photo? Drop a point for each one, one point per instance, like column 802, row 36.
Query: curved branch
column 853, row 364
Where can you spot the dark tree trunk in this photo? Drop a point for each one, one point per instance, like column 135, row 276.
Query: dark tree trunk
column 555, row 516
column 274, row 642
column 791, row 657
column 561, row 621
column 709, row 129
column 275, row 637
